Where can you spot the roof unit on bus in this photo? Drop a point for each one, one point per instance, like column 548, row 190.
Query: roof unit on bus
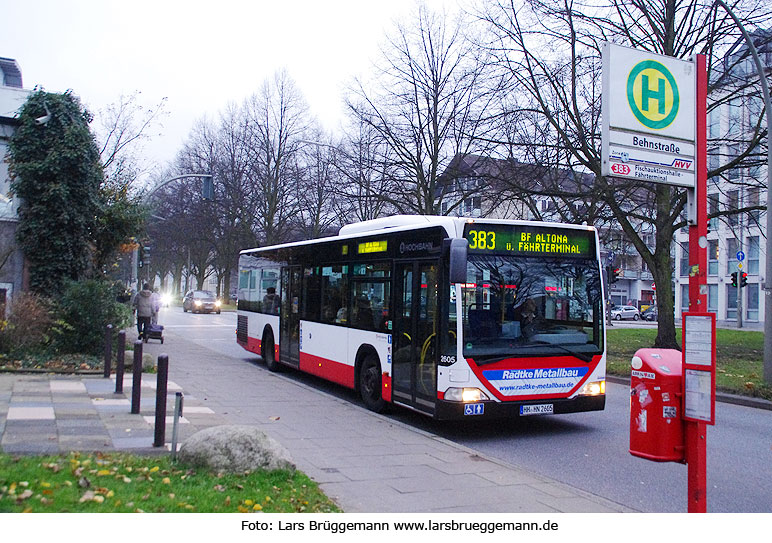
column 394, row 221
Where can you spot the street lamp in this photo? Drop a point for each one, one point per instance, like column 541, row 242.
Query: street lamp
column 768, row 273
column 207, row 188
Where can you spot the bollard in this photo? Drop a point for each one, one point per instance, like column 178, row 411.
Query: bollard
column 177, row 414
column 108, row 350
column 160, row 400
column 120, row 367
column 136, row 378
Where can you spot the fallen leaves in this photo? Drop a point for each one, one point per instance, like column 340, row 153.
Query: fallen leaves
column 91, row 496
column 120, row 483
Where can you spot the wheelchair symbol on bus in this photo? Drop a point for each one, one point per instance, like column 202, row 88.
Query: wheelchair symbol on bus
column 474, row 409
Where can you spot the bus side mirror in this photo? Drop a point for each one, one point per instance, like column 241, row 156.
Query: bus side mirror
column 458, row 249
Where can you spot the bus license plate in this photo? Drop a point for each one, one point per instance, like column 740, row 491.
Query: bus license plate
column 537, row 409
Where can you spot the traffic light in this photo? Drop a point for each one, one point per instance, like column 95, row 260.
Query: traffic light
column 146, row 255
column 207, row 188
column 616, row 275
column 734, row 279
column 743, row 279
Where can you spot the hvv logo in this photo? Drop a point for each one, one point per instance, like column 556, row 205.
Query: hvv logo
column 683, row 164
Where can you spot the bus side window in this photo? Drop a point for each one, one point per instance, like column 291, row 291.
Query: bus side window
column 363, row 313
column 312, row 294
column 371, row 304
column 334, row 284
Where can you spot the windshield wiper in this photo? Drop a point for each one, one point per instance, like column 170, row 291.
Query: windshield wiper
column 491, row 360
column 584, row 357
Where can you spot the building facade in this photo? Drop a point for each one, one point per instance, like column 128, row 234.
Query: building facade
column 12, row 97
column 737, row 225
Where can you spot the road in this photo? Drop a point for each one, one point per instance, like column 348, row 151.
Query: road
column 586, row 450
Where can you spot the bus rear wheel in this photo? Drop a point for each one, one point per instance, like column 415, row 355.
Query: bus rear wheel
column 370, row 384
column 269, row 353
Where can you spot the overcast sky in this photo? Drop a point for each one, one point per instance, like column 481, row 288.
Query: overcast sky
column 198, row 54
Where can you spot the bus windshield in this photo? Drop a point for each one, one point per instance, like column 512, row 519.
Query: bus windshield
column 514, row 306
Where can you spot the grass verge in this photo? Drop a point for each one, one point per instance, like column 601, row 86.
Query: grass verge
column 739, row 357
column 124, row 483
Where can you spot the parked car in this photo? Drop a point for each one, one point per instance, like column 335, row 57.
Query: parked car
column 201, row 301
column 619, row 312
column 650, row 314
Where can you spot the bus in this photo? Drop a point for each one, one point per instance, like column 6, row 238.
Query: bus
column 451, row 317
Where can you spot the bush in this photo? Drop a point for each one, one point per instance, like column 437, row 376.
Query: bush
column 28, row 328
column 85, row 309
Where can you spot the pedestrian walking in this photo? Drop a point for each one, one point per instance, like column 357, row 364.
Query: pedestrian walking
column 143, row 305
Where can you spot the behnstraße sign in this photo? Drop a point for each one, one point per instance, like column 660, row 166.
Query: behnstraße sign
column 649, row 117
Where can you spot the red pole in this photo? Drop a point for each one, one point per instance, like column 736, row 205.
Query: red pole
column 696, row 453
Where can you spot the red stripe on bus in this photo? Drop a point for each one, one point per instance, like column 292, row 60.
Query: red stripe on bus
column 386, row 385
column 530, row 363
column 252, row 345
column 343, row 374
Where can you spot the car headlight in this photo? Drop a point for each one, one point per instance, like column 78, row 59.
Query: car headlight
column 594, row 388
column 197, row 303
column 166, row 299
column 466, row 395
column 218, row 303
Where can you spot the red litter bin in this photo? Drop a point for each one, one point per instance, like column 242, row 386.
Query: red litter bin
column 656, row 428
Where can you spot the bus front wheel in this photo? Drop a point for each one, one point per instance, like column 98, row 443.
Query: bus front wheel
column 370, row 384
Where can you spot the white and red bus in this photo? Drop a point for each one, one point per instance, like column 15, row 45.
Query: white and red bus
column 451, row 317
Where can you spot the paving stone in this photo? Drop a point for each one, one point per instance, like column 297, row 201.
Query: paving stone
column 124, row 443
column 67, row 386
column 30, row 413
column 31, row 448
column 110, row 402
column 438, row 482
column 40, row 402
column 85, row 443
column 116, row 433
column 82, row 431
column 77, row 419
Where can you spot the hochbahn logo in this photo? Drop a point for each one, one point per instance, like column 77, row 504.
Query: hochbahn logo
column 652, row 94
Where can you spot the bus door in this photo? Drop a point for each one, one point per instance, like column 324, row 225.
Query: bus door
column 289, row 347
column 414, row 339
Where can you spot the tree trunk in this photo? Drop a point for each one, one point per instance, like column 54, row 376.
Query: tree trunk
column 663, row 277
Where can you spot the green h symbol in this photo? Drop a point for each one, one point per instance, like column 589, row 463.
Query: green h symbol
column 648, row 94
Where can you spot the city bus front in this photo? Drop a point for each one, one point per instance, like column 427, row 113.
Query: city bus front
column 526, row 327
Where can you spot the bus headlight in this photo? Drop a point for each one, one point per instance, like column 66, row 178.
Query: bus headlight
column 466, row 395
column 594, row 388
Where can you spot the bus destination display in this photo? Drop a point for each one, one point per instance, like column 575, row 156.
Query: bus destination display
column 525, row 240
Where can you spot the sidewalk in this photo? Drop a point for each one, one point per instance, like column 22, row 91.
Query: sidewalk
column 365, row 462
column 51, row 414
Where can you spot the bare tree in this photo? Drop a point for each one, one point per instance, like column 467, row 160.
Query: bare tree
column 278, row 121
column 366, row 174
column 549, row 53
column 318, row 201
column 429, row 104
column 123, row 127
